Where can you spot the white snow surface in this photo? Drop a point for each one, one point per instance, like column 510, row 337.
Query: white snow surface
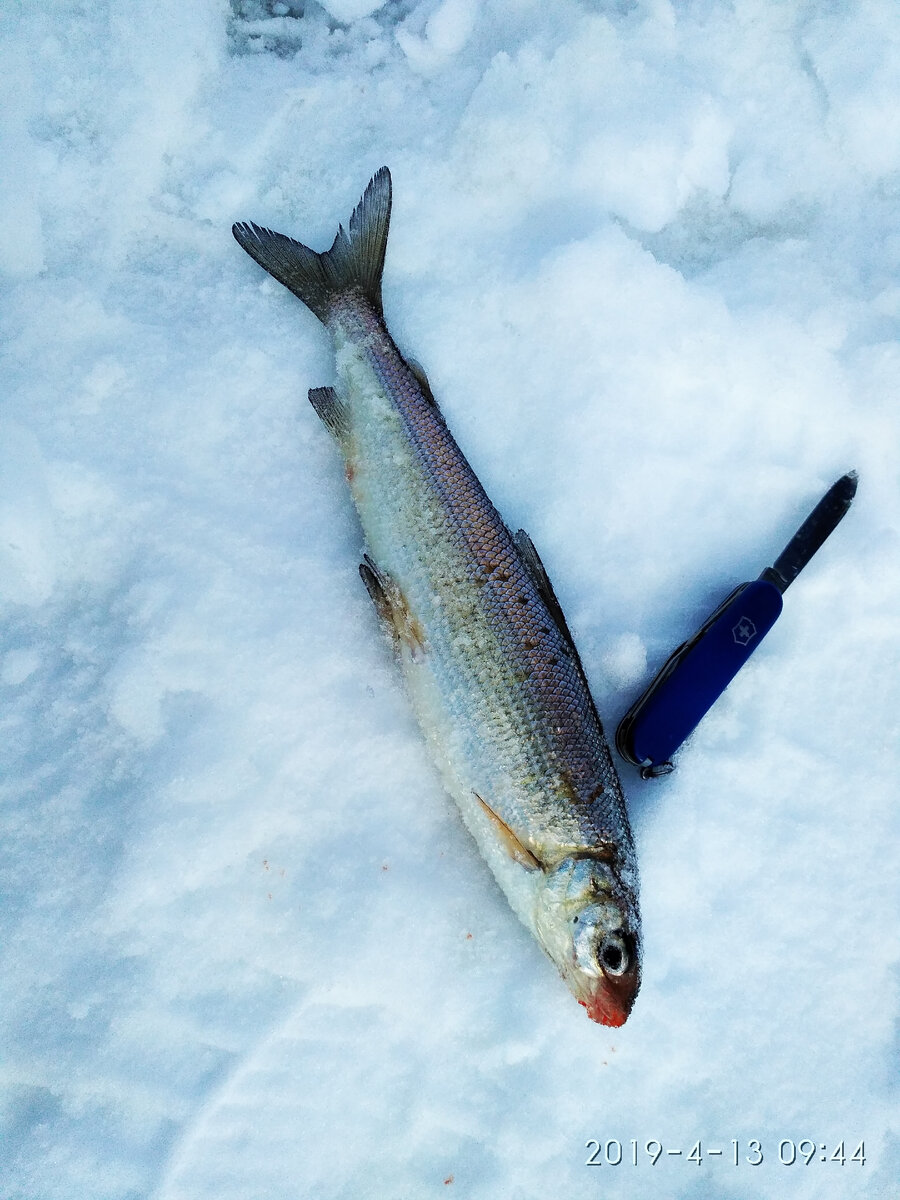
column 648, row 254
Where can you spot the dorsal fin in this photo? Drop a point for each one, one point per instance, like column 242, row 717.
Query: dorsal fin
column 538, row 573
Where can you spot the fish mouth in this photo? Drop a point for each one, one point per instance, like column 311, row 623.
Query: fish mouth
column 609, row 1000
column 606, row 1010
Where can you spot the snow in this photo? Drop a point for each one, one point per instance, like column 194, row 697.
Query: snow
column 647, row 252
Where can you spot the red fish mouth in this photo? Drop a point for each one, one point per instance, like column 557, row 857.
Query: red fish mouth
column 609, row 1001
column 606, row 1010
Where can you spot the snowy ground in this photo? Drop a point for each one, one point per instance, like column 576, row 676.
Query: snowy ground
column 648, row 254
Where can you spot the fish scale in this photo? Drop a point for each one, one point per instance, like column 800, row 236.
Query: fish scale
column 493, row 675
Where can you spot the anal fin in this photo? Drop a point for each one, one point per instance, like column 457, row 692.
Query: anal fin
column 511, row 844
column 331, row 410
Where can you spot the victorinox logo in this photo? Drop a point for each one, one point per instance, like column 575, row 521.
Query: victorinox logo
column 744, row 632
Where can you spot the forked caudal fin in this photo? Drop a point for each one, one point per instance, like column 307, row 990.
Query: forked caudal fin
column 355, row 260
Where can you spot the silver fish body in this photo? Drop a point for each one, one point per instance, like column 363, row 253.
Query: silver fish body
column 489, row 663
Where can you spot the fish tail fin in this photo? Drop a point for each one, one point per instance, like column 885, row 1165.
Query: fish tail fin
column 354, row 262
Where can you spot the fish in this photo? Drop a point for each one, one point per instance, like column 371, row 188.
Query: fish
column 489, row 663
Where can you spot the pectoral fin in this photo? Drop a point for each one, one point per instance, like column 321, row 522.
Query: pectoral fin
column 511, row 844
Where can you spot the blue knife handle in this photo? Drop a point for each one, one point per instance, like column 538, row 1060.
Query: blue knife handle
column 695, row 676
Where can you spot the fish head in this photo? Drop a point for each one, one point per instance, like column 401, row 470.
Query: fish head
column 586, row 920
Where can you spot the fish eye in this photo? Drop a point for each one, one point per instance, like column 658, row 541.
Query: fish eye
column 613, row 954
column 599, row 953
